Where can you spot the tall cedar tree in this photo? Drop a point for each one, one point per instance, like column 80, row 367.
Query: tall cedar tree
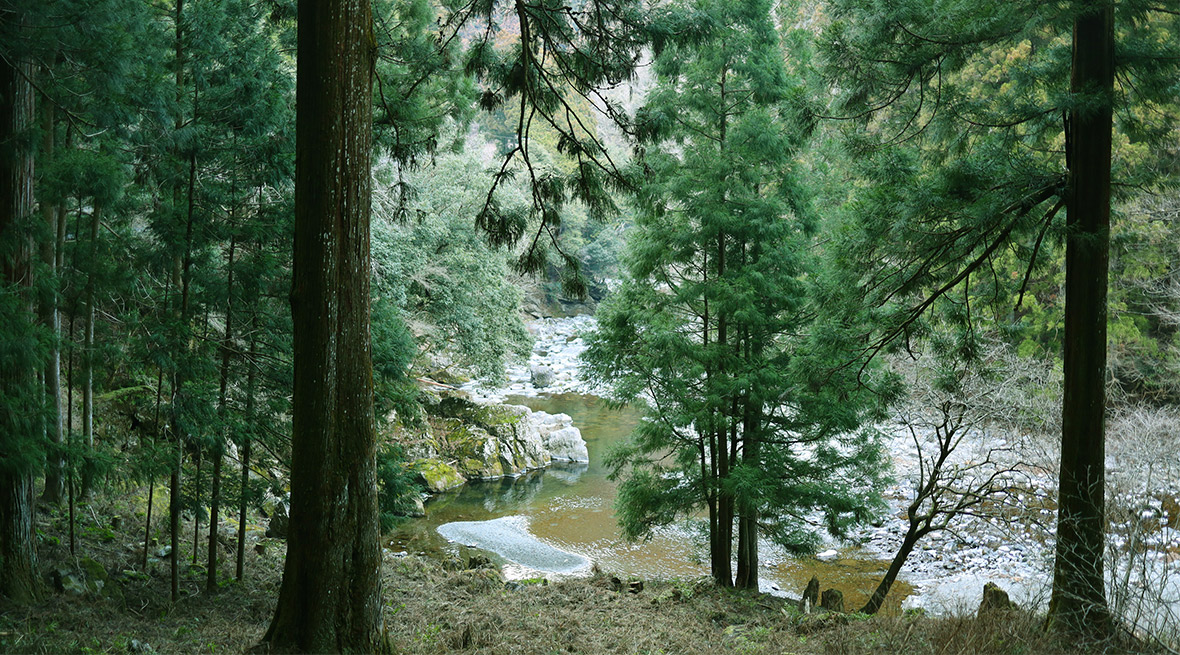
column 98, row 64
column 1078, row 601
column 330, row 599
column 957, row 135
column 20, row 445
column 708, row 320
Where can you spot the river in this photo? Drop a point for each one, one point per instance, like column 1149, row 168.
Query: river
column 558, row 521
column 562, row 519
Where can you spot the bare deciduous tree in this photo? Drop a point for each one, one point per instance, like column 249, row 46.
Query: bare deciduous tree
column 959, row 473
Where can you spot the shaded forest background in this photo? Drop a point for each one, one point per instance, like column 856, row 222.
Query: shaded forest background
column 906, row 182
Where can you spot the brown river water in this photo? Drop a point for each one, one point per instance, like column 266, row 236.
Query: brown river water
column 570, row 507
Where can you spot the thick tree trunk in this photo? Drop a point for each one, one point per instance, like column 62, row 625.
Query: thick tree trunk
column 747, row 555
column 55, row 463
column 18, row 577
column 747, row 560
column 721, row 539
column 722, row 564
column 1078, row 601
column 19, row 432
column 717, row 550
column 330, row 599
column 722, row 556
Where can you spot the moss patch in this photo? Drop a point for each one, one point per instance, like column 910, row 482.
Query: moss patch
column 437, row 475
column 466, row 411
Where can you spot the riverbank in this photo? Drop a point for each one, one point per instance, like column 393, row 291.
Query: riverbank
column 454, row 606
column 1012, row 545
column 471, row 611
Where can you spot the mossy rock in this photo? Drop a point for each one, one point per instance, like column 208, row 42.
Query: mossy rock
column 477, row 468
column 492, row 469
column 438, row 476
column 94, row 570
column 496, row 415
column 466, row 411
column 92, row 578
column 454, row 407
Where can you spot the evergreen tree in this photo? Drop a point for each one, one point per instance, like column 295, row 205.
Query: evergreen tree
column 20, row 447
column 1079, row 593
column 709, row 325
column 330, row 599
column 455, row 292
column 546, row 58
column 958, row 131
column 94, row 62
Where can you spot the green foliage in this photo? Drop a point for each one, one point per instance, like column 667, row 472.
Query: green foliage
column 544, row 65
column 419, row 85
column 396, row 486
column 393, row 352
column 455, row 293
column 709, row 324
column 21, row 445
column 955, row 144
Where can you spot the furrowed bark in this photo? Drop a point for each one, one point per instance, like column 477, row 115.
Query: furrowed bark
column 330, row 599
column 1078, row 601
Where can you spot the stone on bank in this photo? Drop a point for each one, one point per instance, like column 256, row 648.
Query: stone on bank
column 464, row 440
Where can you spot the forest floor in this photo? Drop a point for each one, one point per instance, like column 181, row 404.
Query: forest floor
column 443, row 606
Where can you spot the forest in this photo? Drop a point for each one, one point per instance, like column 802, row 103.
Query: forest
column 599, row 326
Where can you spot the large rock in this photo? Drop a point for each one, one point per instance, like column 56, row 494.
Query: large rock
column 563, row 441
column 464, row 440
column 492, row 441
column 567, row 445
column 279, row 523
column 541, row 376
column 89, row 579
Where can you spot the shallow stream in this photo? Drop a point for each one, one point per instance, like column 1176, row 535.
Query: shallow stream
column 561, row 520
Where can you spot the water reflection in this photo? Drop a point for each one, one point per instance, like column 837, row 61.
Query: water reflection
column 569, row 507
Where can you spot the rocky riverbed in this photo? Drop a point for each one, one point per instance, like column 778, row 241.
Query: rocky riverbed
column 553, row 368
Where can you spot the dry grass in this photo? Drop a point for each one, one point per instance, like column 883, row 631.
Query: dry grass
column 435, row 611
column 1001, row 633
column 431, row 610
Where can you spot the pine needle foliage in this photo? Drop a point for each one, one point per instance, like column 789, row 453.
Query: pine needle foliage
column 954, row 117
column 549, row 59
column 711, row 323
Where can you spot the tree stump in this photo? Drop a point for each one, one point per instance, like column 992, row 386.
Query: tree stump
column 810, row 595
column 994, row 599
column 832, row 600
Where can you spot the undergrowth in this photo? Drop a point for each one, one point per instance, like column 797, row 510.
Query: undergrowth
column 434, row 607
